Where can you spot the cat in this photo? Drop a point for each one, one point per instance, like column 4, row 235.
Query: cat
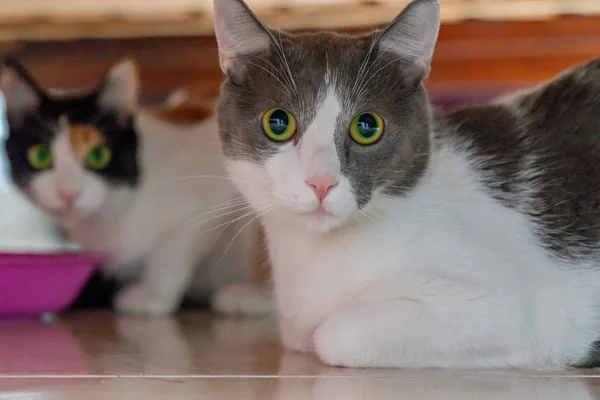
column 400, row 237
column 147, row 187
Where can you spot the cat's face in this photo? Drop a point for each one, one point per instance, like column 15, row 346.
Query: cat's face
column 67, row 153
column 322, row 125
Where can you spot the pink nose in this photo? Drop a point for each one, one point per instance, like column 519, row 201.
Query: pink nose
column 68, row 198
column 322, row 185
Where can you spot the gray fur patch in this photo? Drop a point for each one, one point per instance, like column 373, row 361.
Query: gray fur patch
column 540, row 155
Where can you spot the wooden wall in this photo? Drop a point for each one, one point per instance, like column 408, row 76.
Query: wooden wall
column 471, row 56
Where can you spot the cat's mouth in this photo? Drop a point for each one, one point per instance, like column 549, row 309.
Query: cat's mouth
column 61, row 213
column 319, row 219
column 319, row 212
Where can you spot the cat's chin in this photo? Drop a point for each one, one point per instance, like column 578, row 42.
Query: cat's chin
column 69, row 217
column 320, row 222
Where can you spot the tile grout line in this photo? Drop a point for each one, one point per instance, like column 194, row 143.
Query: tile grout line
column 143, row 376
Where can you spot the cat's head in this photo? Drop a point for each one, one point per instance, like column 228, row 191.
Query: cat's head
column 322, row 125
column 67, row 152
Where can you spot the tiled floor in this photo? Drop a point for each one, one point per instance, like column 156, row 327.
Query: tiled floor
column 196, row 356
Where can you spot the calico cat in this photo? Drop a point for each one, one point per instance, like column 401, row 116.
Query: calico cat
column 402, row 238
column 146, row 187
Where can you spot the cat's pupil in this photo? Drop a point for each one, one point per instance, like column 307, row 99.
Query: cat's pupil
column 43, row 155
column 367, row 125
column 96, row 154
column 278, row 122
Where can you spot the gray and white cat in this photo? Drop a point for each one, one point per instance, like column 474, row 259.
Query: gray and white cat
column 146, row 187
column 402, row 238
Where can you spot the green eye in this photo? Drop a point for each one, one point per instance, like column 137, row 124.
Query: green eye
column 279, row 124
column 40, row 157
column 99, row 157
column 366, row 128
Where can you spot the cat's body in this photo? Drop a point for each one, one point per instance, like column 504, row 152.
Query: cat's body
column 177, row 200
column 403, row 238
column 160, row 207
column 458, row 246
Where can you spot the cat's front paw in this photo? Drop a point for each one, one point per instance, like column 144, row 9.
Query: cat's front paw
column 142, row 300
column 339, row 344
column 243, row 299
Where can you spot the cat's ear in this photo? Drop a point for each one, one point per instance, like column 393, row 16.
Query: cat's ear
column 119, row 90
column 411, row 37
column 22, row 94
column 239, row 32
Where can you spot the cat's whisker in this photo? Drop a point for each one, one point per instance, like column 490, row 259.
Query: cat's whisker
column 237, row 200
column 236, row 210
column 219, row 234
column 237, row 206
column 189, row 177
column 363, row 212
column 258, row 215
column 374, row 214
column 195, row 226
column 246, row 214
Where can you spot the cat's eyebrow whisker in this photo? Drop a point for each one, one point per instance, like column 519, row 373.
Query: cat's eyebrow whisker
column 360, row 73
column 269, row 72
column 279, row 49
column 270, row 64
column 374, row 74
column 363, row 85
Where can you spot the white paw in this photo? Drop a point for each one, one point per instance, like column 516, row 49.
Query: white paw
column 337, row 344
column 243, row 300
column 141, row 300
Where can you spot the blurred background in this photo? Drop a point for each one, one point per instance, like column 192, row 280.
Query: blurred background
column 485, row 46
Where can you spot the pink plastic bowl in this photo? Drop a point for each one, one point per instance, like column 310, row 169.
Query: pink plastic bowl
column 32, row 284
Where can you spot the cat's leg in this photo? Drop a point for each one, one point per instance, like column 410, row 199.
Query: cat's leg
column 402, row 333
column 164, row 280
column 234, row 274
column 243, row 299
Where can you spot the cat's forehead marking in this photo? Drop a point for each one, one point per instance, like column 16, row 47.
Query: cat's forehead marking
column 318, row 141
column 84, row 138
column 322, row 127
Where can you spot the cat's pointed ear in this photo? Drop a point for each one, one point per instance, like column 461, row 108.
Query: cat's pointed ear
column 22, row 94
column 119, row 90
column 239, row 32
column 411, row 37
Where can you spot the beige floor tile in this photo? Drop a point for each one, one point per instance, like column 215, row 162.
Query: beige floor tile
column 200, row 356
column 328, row 388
